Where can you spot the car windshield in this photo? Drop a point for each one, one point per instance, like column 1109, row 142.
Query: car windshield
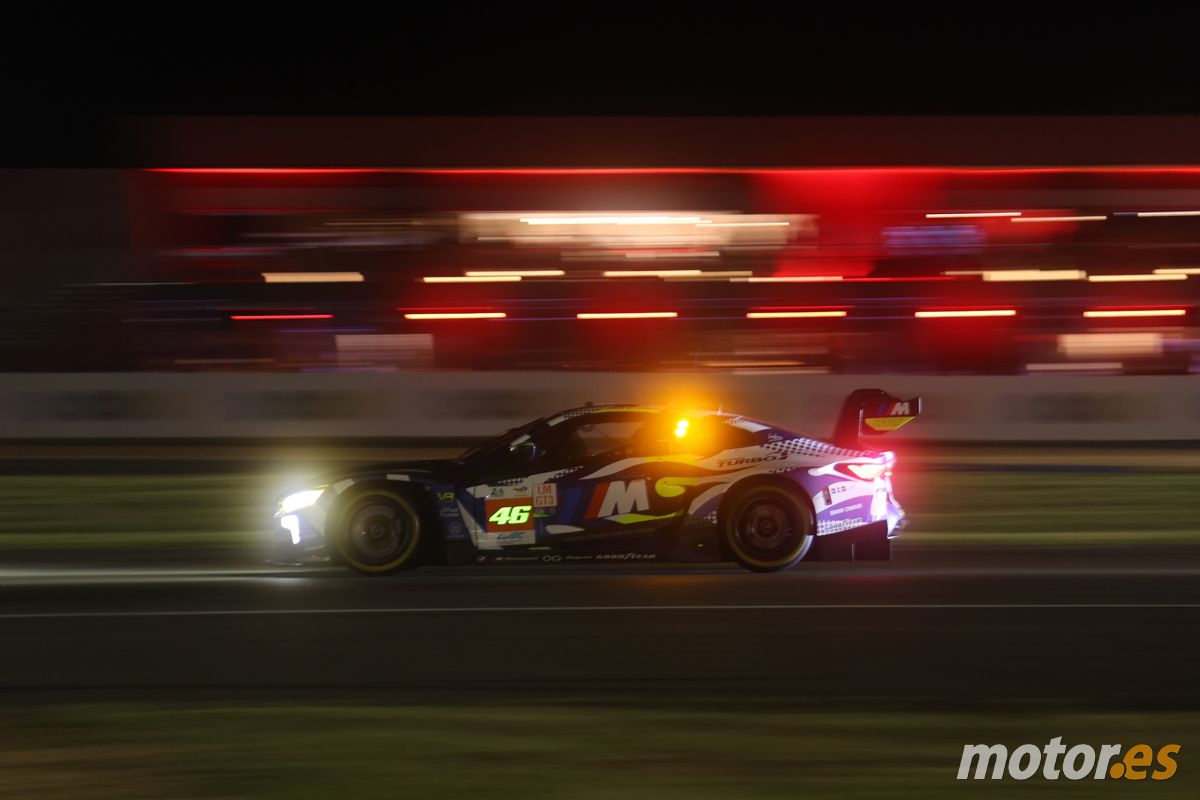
column 501, row 442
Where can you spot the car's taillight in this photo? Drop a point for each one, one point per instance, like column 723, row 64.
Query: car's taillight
column 868, row 472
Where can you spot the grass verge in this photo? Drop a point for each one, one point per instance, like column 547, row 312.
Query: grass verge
column 547, row 752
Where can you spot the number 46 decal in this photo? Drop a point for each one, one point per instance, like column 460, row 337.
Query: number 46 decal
column 511, row 515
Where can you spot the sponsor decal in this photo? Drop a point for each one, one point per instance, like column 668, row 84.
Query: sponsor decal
column 495, row 541
column 1056, row 760
column 725, row 463
column 886, row 423
column 842, row 492
column 897, row 415
column 546, row 558
column 837, row 526
column 844, row 509
column 626, row 556
column 618, row 497
column 829, row 492
column 545, row 495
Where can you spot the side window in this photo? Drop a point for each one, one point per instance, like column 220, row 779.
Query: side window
column 607, row 438
column 716, row 436
column 702, row 437
column 604, row 438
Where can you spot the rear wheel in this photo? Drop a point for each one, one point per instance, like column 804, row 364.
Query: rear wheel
column 767, row 528
column 380, row 532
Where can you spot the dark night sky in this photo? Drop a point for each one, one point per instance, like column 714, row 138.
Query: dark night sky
column 72, row 78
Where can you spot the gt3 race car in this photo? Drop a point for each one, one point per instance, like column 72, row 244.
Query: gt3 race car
column 616, row 483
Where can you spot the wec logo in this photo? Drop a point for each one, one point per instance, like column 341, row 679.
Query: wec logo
column 1081, row 761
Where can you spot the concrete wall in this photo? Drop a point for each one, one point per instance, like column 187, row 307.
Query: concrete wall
column 477, row 404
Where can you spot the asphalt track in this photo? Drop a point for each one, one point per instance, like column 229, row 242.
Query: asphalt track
column 908, row 633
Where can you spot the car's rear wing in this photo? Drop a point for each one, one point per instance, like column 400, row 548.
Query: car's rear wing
column 872, row 412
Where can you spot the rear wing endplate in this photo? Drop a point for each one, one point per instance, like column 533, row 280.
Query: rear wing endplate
column 872, row 412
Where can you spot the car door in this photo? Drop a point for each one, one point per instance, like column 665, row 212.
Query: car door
column 495, row 493
column 670, row 468
column 609, row 498
column 581, row 481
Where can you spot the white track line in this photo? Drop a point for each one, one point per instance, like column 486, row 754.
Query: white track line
column 266, row 612
column 37, row 576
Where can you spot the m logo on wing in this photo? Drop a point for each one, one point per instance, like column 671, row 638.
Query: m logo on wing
column 618, row 497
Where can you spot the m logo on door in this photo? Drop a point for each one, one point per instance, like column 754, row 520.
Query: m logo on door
column 618, row 497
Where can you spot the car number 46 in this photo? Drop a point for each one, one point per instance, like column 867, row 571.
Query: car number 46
column 510, row 515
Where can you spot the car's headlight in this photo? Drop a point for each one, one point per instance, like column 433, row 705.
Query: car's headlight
column 298, row 500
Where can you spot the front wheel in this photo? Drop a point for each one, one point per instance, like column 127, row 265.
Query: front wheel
column 768, row 529
column 379, row 533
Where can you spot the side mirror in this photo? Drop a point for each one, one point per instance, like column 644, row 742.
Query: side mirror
column 524, row 451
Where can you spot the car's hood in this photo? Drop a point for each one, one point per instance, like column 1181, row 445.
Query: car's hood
column 434, row 468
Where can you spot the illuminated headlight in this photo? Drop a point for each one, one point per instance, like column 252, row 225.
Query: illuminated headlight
column 295, row 502
column 291, row 523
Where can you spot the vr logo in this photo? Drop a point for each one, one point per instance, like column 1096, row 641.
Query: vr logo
column 618, row 497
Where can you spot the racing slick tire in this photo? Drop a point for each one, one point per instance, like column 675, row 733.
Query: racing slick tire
column 767, row 528
column 379, row 531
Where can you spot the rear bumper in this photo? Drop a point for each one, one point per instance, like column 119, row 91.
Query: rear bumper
column 866, row 543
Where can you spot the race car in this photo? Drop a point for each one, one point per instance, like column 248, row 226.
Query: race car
column 620, row 483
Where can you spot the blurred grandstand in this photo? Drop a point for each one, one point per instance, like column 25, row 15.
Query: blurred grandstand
column 951, row 270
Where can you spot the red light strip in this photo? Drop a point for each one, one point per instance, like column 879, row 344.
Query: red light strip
column 1134, row 312
column 627, row 315
column 787, row 279
column 797, row 313
column 279, row 316
column 926, row 170
column 971, row 214
column 936, row 313
column 220, row 211
column 263, row 170
column 455, row 315
column 1139, row 277
column 510, row 277
column 520, row 273
column 903, row 278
